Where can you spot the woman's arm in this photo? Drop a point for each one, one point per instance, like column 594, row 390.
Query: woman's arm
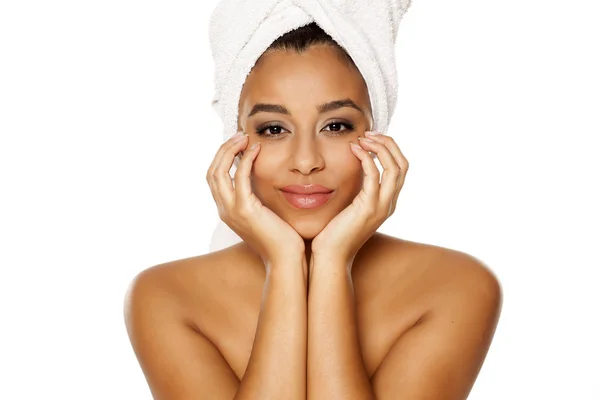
column 180, row 363
column 334, row 356
column 335, row 366
column 277, row 365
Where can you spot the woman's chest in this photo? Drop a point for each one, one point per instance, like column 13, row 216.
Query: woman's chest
column 383, row 311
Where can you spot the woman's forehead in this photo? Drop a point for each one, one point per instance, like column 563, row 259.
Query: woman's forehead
column 317, row 75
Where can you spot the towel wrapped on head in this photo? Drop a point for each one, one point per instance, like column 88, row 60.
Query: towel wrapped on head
column 241, row 30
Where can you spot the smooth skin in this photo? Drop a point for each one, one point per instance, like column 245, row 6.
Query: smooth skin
column 312, row 304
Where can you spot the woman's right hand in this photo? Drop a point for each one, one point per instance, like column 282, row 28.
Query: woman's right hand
column 273, row 238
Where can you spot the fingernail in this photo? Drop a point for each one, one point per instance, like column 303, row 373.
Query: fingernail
column 255, row 145
column 238, row 138
column 371, row 133
column 362, row 139
column 355, row 146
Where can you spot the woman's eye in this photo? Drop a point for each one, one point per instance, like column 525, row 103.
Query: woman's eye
column 276, row 130
column 348, row 127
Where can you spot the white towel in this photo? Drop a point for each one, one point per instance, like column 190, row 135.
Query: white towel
column 241, row 30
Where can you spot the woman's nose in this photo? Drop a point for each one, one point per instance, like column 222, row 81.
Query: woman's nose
column 306, row 156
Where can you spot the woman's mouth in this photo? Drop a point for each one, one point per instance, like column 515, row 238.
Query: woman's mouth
column 307, row 201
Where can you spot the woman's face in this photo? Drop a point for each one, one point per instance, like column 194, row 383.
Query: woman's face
column 305, row 145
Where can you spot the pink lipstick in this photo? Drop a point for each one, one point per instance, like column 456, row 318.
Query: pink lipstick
column 307, row 196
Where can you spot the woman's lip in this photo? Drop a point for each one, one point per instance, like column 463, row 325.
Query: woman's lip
column 306, row 189
column 307, row 201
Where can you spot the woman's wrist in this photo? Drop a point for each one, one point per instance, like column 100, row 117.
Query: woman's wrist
column 292, row 265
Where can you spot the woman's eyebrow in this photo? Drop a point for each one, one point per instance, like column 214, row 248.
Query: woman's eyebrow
column 322, row 108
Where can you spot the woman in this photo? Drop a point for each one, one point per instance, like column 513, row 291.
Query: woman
column 314, row 302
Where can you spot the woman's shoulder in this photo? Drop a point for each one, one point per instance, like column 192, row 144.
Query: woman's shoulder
column 403, row 252
column 435, row 269
column 198, row 279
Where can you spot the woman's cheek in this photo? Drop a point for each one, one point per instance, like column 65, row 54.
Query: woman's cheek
column 351, row 162
column 263, row 169
column 263, row 162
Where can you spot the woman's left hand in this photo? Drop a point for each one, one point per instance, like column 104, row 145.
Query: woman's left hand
column 350, row 229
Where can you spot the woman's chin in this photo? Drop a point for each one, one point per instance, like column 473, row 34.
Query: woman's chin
column 307, row 229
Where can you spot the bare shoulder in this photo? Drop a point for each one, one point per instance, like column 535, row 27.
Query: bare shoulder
column 459, row 275
column 440, row 274
column 188, row 281
column 159, row 318
column 166, row 286
column 460, row 301
column 447, row 266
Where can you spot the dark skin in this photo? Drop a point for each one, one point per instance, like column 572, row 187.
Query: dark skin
column 409, row 320
column 305, row 146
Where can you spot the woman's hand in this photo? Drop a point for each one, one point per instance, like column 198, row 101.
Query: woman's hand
column 243, row 212
column 350, row 229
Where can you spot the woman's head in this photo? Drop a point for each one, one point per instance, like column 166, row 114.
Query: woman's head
column 302, row 142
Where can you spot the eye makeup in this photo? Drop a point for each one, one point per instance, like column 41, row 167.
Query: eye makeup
column 260, row 131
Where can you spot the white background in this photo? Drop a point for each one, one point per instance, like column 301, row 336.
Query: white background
column 107, row 133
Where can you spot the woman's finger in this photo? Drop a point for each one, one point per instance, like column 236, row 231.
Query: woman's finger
column 217, row 159
column 391, row 171
column 394, row 149
column 371, row 179
column 218, row 173
column 391, row 144
column 224, row 180
column 243, row 190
